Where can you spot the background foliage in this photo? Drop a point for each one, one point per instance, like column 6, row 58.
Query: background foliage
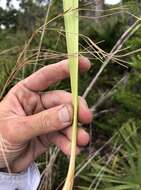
column 116, row 96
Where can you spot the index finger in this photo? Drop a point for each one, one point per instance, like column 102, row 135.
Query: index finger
column 51, row 74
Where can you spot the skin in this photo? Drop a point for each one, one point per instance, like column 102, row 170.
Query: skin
column 31, row 120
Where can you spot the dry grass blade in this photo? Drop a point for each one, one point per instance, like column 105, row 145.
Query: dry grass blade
column 42, row 36
column 126, row 35
column 46, row 175
column 109, row 94
column 20, row 61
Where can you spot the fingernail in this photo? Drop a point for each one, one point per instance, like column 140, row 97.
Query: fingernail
column 64, row 115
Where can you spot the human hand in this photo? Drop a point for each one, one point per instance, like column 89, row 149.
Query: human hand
column 30, row 120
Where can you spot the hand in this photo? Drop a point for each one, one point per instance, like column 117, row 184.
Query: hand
column 31, row 120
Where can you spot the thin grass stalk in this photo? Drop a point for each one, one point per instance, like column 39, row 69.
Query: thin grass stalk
column 72, row 39
column 42, row 37
column 126, row 35
column 19, row 63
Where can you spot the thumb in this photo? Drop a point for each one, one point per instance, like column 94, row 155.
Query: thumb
column 45, row 122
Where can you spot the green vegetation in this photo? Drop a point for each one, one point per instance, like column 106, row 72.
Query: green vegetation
column 113, row 159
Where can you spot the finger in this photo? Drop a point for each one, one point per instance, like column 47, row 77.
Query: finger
column 59, row 97
column 57, row 139
column 83, row 137
column 62, row 143
column 50, row 74
column 45, row 122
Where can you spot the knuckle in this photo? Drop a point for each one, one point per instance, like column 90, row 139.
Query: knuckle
column 44, row 120
column 56, row 118
column 63, row 69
